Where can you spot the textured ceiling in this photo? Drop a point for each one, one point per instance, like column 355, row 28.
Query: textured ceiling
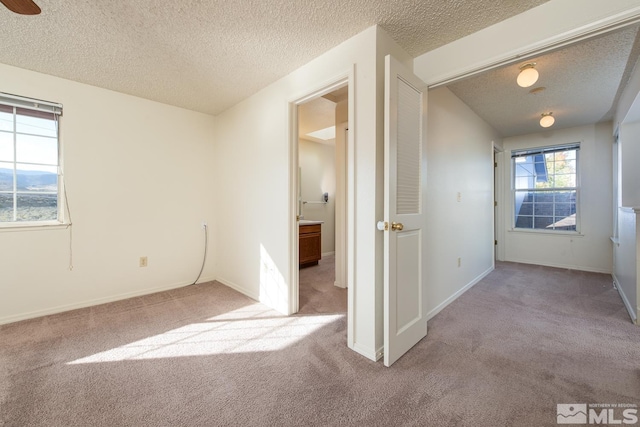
column 209, row 55
column 582, row 83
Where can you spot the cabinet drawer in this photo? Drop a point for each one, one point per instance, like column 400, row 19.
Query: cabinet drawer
column 307, row 229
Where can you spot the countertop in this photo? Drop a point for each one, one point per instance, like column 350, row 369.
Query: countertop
column 309, row 222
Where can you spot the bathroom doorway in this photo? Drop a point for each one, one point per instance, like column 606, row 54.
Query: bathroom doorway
column 322, row 135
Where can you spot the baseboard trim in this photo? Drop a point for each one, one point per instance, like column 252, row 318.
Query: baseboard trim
column 367, row 352
column 456, row 295
column 568, row 267
column 206, row 279
column 625, row 300
column 339, row 285
column 328, row 253
column 239, row 288
column 92, row 302
column 379, row 353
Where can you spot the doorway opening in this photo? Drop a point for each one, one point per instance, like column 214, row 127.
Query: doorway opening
column 321, row 137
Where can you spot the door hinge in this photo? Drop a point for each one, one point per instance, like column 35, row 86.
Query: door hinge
column 495, row 242
column 495, row 164
column 495, row 203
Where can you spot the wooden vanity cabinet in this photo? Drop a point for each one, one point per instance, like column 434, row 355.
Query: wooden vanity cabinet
column 309, row 245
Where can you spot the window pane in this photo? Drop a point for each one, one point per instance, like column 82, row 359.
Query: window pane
column 28, row 163
column 36, row 126
column 36, row 149
column 543, row 209
column 37, row 207
column 571, row 165
column 524, row 222
column 6, row 207
column 565, row 196
column 565, row 180
column 526, row 209
column 566, row 223
column 6, row 146
column 563, row 210
column 37, row 178
column 540, row 198
column 551, row 210
column 543, row 222
column 524, row 173
column 6, row 121
column 6, row 176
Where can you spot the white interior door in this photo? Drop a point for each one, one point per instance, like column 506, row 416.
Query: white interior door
column 405, row 180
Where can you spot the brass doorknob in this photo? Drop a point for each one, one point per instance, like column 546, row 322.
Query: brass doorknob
column 397, row 226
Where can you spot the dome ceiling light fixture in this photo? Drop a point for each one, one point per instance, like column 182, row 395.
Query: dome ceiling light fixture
column 528, row 75
column 547, row 120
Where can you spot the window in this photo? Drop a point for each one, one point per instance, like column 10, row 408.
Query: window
column 29, row 161
column 545, row 188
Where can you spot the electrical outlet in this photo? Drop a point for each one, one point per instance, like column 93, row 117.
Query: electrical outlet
column 459, row 196
column 204, row 224
column 459, row 262
column 143, row 261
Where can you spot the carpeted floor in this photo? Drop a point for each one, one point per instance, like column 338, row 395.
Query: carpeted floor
column 521, row 341
column 318, row 294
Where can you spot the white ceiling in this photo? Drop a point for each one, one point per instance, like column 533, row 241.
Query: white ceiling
column 314, row 115
column 582, row 84
column 209, row 55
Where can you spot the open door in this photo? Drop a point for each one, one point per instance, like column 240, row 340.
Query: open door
column 405, row 180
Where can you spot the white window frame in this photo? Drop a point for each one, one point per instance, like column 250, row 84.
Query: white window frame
column 21, row 102
column 577, row 188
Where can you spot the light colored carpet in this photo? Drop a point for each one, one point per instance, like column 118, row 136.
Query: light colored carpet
column 504, row 354
column 318, row 294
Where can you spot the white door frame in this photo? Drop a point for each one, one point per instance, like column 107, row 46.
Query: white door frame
column 346, row 79
column 498, row 211
column 342, row 136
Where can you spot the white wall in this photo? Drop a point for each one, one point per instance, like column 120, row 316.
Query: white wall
column 591, row 249
column 138, row 177
column 318, row 170
column 253, row 160
column 253, row 168
column 459, row 160
column 342, row 126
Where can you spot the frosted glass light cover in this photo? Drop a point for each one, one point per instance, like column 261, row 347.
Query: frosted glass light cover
column 547, row 121
column 527, row 77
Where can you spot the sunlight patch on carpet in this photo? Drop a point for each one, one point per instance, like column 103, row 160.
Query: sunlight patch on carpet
column 245, row 330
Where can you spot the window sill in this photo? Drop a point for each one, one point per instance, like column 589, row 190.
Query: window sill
column 33, row 226
column 563, row 233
